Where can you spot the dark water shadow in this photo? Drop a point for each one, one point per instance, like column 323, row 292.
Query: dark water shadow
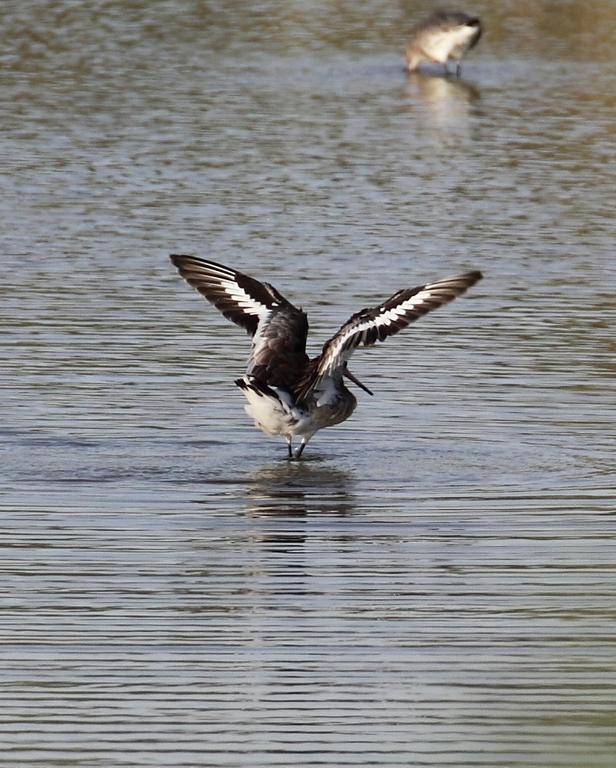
column 298, row 489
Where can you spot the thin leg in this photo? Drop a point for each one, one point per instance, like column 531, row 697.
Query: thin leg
column 458, row 69
column 300, row 450
column 290, row 446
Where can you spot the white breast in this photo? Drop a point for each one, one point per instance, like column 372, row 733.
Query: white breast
column 444, row 44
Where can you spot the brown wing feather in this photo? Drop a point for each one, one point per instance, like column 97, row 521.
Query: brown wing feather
column 239, row 297
column 370, row 325
column 279, row 329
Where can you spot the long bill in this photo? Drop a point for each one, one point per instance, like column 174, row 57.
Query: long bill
column 352, row 378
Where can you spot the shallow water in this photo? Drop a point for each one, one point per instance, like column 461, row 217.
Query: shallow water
column 435, row 584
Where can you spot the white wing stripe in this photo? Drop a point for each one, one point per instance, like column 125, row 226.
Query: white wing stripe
column 243, row 300
column 258, row 339
column 385, row 318
column 358, row 331
column 249, row 309
column 395, row 312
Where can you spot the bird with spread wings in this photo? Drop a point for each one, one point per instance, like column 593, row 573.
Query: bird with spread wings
column 288, row 393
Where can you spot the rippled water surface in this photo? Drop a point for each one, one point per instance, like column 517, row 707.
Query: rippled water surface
column 435, row 585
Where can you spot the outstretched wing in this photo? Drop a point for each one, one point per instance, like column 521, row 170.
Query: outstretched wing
column 242, row 299
column 368, row 326
column 279, row 329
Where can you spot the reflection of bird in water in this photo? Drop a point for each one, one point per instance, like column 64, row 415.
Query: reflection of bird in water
column 280, row 500
column 288, row 394
column 440, row 89
column 297, row 490
column 443, row 36
column 444, row 101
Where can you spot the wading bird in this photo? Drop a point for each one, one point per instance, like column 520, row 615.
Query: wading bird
column 442, row 36
column 288, row 393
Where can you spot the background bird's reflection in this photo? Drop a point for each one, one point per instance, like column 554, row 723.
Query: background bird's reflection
column 444, row 102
